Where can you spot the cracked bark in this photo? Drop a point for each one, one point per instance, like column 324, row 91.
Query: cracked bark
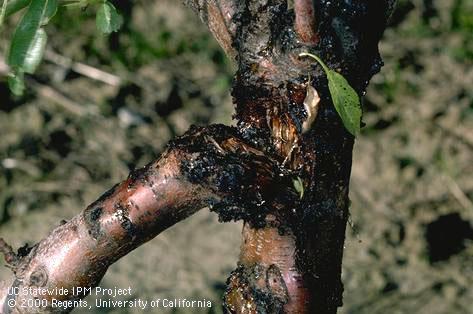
column 292, row 248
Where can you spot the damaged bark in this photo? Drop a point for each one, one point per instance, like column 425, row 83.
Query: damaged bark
column 269, row 90
column 206, row 167
column 292, row 245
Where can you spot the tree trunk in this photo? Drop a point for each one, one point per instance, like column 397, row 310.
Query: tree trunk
column 292, row 245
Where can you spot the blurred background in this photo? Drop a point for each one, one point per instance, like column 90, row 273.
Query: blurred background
column 101, row 106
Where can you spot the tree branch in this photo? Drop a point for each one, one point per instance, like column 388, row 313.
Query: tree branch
column 267, row 265
column 305, row 21
column 206, row 167
column 292, row 250
column 218, row 16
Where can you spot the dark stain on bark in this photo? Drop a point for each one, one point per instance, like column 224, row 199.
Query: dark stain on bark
column 255, row 287
column 38, row 277
column 25, row 250
column 92, row 219
column 122, row 214
column 275, row 283
column 239, row 175
column 96, row 213
column 104, row 196
column 140, row 175
column 269, row 86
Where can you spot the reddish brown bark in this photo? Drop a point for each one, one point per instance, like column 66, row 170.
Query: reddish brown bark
column 305, row 21
column 196, row 170
column 78, row 253
column 268, row 258
column 218, row 15
column 269, row 91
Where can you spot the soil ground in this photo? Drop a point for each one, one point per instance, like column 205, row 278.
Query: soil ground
column 409, row 248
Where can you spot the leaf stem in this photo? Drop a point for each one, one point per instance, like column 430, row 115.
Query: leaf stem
column 316, row 58
column 2, row 13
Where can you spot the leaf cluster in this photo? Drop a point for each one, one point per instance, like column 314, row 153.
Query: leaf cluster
column 29, row 40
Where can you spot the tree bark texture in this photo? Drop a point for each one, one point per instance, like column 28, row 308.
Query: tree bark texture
column 292, row 243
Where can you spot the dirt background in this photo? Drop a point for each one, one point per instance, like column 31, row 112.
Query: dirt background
column 409, row 246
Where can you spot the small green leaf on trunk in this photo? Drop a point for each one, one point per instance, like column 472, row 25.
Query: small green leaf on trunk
column 344, row 97
column 108, row 19
column 299, row 186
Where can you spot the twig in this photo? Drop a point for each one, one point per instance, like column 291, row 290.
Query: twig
column 83, row 69
column 305, row 21
column 2, row 13
column 69, row 64
column 457, row 192
column 218, row 15
column 10, row 256
column 56, row 97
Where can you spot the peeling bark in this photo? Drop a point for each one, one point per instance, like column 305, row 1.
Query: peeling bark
column 292, row 247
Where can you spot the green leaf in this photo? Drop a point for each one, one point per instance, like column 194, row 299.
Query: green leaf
column 346, row 101
column 298, row 186
column 14, row 6
column 108, row 19
column 26, row 35
column 35, row 53
column 2, row 12
column 344, row 97
column 51, row 10
column 29, row 42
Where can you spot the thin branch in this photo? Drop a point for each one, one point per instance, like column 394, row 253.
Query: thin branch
column 83, row 69
column 56, row 97
column 79, row 252
column 69, row 64
column 218, row 15
column 305, row 21
column 457, row 192
column 10, row 257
